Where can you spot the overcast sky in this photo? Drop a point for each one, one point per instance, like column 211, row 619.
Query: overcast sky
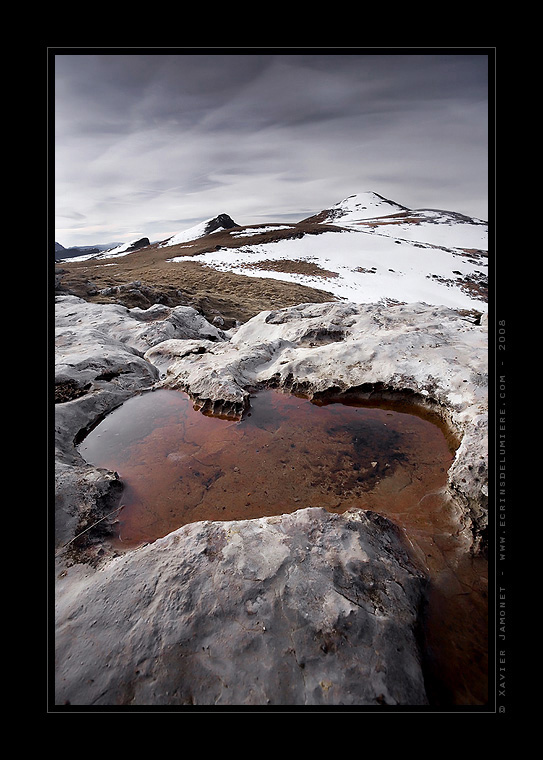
column 150, row 144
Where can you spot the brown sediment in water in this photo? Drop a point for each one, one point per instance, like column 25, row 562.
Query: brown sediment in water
column 180, row 466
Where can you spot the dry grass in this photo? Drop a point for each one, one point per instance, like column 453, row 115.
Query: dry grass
column 148, row 276
column 291, row 266
column 233, row 297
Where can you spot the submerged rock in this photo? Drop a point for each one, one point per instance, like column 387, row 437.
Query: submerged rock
column 309, row 609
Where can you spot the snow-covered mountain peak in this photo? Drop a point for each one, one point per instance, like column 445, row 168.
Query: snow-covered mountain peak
column 359, row 206
column 362, row 208
column 369, row 204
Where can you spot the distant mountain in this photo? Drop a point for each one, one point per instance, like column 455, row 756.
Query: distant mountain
column 82, row 253
column 66, row 253
column 80, row 250
column 365, row 249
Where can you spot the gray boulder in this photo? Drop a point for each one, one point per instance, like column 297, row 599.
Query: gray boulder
column 304, row 609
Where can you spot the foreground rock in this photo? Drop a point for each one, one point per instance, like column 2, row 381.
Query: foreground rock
column 305, row 609
column 302, row 609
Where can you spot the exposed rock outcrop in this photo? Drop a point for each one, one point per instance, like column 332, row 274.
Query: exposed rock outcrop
column 136, row 244
column 99, row 364
column 220, row 222
column 309, row 608
column 305, row 609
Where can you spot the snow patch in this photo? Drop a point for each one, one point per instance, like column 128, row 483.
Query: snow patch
column 193, row 233
column 249, row 231
column 365, row 267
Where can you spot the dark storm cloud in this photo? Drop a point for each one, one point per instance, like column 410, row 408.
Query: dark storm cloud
column 142, row 139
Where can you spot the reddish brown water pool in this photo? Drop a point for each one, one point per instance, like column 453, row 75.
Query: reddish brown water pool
column 180, row 466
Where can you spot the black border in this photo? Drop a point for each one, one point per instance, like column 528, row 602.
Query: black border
column 501, row 593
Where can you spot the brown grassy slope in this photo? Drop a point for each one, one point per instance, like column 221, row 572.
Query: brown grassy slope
column 146, row 276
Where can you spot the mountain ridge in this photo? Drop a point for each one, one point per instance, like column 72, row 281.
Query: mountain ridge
column 366, row 248
column 349, row 210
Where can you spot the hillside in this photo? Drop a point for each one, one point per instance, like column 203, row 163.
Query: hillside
column 365, row 249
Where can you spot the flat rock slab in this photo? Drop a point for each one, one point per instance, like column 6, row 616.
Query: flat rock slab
column 309, row 608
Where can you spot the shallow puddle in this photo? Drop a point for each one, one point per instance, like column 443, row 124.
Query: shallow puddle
column 180, row 466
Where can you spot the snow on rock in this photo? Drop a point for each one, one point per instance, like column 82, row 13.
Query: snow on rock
column 220, row 222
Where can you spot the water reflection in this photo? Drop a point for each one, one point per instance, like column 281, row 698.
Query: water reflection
column 180, row 466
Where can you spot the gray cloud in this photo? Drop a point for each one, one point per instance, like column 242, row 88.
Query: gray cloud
column 153, row 142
